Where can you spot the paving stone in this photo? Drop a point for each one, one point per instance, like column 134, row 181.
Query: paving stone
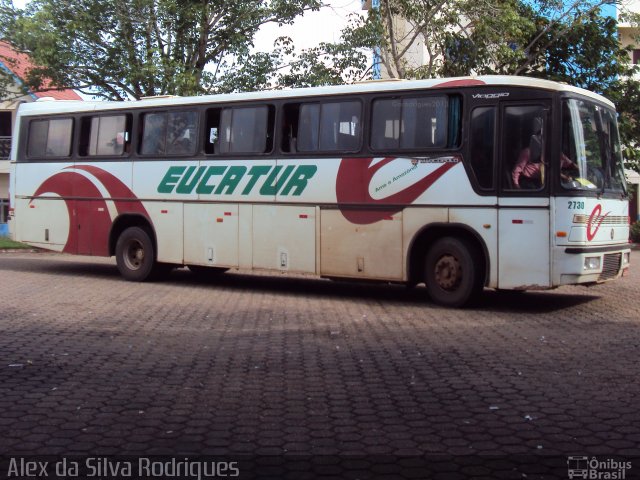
column 248, row 364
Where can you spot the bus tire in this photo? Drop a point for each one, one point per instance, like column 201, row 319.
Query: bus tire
column 451, row 274
column 135, row 255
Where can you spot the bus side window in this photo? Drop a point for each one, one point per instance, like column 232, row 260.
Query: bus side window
column 289, row 127
column 329, row 127
column 385, row 124
column 50, row 138
column 182, row 133
column 241, row 130
column 523, row 148
column 154, row 133
column 212, row 129
column 105, row 135
column 413, row 123
column 481, row 145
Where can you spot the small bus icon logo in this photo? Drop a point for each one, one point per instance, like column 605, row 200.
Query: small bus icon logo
column 578, row 467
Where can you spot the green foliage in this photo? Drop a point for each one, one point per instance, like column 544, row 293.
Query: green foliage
column 134, row 48
column 569, row 42
column 634, row 232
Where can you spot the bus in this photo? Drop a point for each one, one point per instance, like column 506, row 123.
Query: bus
column 459, row 184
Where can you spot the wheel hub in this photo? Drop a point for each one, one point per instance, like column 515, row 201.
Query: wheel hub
column 135, row 255
column 448, row 273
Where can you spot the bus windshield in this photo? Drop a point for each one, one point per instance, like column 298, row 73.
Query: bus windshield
column 591, row 154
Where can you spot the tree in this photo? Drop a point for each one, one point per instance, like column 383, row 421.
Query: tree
column 571, row 42
column 134, row 48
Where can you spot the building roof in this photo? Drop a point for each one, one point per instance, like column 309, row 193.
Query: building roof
column 19, row 64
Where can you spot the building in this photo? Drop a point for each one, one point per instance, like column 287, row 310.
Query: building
column 16, row 65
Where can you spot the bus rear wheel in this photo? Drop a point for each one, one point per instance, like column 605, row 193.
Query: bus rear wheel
column 135, row 255
column 451, row 274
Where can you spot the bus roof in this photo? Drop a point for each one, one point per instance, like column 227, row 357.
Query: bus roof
column 38, row 108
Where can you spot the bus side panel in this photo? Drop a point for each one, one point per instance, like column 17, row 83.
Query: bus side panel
column 167, row 219
column 43, row 221
column 96, row 190
column 211, row 234
column 355, row 250
column 523, row 236
column 157, row 183
column 484, row 222
column 284, row 238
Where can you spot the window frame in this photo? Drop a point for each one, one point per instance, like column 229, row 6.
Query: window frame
column 209, row 149
column 89, row 118
column 495, row 160
column 31, row 120
column 321, row 101
column 417, row 95
column 545, row 105
column 140, row 131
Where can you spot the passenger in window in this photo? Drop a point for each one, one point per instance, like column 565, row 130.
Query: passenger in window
column 568, row 170
column 528, row 171
column 117, row 143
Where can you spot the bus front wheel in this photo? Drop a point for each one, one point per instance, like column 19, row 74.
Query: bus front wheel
column 135, row 255
column 451, row 275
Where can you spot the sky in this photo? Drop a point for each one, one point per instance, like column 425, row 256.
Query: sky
column 312, row 28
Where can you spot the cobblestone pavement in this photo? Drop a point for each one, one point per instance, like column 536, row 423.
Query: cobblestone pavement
column 269, row 364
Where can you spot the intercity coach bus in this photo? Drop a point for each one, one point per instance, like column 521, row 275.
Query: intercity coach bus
column 460, row 184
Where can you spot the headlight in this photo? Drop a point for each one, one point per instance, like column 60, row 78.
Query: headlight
column 626, row 257
column 592, row 263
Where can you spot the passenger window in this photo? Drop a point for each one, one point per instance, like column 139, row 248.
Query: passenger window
column 182, row 133
column 154, row 133
column 481, row 145
column 169, row 133
column 410, row 123
column 105, row 135
column 324, row 127
column 50, row 138
column 524, row 146
column 240, row 130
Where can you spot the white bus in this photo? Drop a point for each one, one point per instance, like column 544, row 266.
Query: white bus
column 460, row 184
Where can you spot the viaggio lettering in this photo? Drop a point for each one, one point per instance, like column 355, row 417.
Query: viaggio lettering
column 227, row 180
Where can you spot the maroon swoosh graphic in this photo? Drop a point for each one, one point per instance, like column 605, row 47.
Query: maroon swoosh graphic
column 352, row 187
column 124, row 199
column 468, row 82
column 89, row 219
